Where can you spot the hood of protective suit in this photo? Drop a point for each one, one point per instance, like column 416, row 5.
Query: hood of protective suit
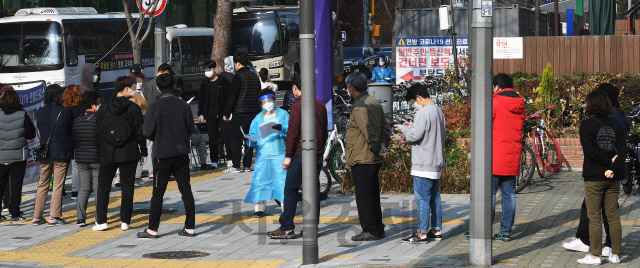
column 229, row 65
column 86, row 77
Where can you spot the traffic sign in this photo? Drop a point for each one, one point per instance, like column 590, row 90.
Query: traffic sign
column 147, row 4
column 487, row 8
column 344, row 36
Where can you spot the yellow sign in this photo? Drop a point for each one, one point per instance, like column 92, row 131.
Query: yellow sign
column 401, row 43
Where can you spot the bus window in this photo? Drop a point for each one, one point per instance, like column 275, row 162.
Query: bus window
column 293, row 25
column 175, row 50
column 186, row 43
column 30, row 44
column 258, row 38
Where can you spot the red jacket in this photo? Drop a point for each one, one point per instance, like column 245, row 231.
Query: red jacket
column 508, row 120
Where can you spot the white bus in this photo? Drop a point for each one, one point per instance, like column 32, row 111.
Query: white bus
column 52, row 44
column 271, row 39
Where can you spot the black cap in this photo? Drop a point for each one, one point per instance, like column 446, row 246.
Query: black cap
column 612, row 92
column 166, row 67
column 135, row 68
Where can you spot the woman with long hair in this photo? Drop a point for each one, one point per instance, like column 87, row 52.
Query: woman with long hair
column 54, row 123
column 16, row 128
column 265, row 81
column 71, row 99
column 604, row 146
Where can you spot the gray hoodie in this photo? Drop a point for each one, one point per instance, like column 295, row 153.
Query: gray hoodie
column 229, row 66
column 86, row 77
column 427, row 136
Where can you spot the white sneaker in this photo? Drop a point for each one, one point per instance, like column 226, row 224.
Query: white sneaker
column 125, row 226
column 588, row 260
column 576, row 245
column 615, row 259
column 606, row 251
column 229, row 163
column 236, row 170
column 99, row 227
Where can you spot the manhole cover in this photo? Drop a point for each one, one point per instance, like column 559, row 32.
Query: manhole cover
column 176, row 255
column 148, row 211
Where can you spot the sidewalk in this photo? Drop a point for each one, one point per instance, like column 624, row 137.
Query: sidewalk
column 226, row 231
column 547, row 216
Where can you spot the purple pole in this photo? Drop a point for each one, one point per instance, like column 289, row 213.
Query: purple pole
column 324, row 56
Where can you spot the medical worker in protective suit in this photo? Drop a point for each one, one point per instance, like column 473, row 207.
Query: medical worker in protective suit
column 383, row 72
column 269, row 177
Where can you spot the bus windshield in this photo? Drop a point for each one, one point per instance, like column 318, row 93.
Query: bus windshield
column 30, row 46
column 259, row 38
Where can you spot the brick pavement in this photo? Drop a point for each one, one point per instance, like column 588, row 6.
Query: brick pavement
column 547, row 216
column 226, row 231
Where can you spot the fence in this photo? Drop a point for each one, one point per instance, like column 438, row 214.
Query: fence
column 575, row 54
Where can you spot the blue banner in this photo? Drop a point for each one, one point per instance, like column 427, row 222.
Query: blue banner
column 32, row 96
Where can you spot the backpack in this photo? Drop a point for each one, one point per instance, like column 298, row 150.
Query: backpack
column 113, row 128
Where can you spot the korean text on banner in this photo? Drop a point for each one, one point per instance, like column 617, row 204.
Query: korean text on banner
column 31, row 96
column 418, row 57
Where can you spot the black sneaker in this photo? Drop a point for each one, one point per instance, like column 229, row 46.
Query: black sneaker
column 204, row 167
column 503, row 237
column 364, row 236
column 432, row 236
column 145, row 234
column 415, row 239
column 74, row 195
column 467, row 235
column 81, row 223
column 258, row 214
column 184, row 232
column 281, row 234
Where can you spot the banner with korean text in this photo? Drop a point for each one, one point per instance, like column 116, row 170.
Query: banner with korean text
column 31, row 96
column 418, row 57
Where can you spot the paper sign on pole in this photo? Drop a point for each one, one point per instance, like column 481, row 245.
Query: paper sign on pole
column 507, row 48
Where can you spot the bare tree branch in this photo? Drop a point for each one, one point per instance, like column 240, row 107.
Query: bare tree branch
column 127, row 15
column 151, row 19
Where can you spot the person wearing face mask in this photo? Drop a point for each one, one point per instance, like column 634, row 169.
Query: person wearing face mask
column 269, row 177
column 383, row 72
column 90, row 78
column 138, row 69
column 123, row 146
column 427, row 136
column 211, row 99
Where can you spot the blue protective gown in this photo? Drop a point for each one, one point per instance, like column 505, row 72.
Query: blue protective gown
column 380, row 73
column 268, row 177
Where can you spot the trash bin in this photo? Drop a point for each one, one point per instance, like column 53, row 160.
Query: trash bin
column 384, row 93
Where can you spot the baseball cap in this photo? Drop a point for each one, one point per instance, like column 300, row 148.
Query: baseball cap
column 166, row 67
column 135, row 68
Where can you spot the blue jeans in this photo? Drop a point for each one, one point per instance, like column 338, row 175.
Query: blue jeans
column 427, row 192
column 291, row 187
column 507, row 186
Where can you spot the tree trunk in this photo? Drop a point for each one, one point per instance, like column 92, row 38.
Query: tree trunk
column 135, row 32
column 222, row 35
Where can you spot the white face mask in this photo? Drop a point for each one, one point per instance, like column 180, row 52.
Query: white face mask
column 381, row 63
column 208, row 74
column 138, row 86
column 95, row 78
column 269, row 106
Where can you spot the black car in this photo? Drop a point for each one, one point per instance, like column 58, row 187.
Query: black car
column 359, row 59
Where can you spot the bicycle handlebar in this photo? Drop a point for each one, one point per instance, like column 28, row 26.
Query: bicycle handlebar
column 543, row 110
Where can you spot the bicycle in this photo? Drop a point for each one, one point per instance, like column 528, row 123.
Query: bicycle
column 527, row 161
column 630, row 182
column 544, row 144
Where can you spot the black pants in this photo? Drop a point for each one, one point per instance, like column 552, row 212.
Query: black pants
column 291, row 187
column 179, row 167
column 583, row 228
column 105, row 178
column 213, row 131
column 11, row 179
column 225, row 132
column 365, row 180
column 238, row 141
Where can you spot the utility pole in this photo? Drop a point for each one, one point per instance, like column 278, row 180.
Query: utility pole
column 481, row 134
column 160, row 33
column 537, row 17
column 365, row 18
column 453, row 41
column 309, row 143
column 556, row 17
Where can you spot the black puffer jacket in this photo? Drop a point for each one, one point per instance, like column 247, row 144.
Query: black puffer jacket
column 61, row 143
column 242, row 99
column 136, row 145
column 86, row 138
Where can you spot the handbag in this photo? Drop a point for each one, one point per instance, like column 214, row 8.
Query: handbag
column 43, row 149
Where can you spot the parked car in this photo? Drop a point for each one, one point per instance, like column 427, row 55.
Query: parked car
column 359, row 59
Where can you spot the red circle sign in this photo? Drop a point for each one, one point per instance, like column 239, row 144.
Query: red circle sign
column 147, row 4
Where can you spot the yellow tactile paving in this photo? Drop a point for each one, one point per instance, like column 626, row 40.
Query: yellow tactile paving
column 298, row 219
column 25, row 197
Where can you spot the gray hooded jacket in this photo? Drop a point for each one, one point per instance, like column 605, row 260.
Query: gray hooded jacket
column 86, row 77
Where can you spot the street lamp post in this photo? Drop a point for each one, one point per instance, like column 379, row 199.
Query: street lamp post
column 481, row 134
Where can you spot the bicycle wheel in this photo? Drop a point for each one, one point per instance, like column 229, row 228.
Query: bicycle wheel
column 538, row 149
column 527, row 166
column 552, row 158
column 337, row 163
column 325, row 185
